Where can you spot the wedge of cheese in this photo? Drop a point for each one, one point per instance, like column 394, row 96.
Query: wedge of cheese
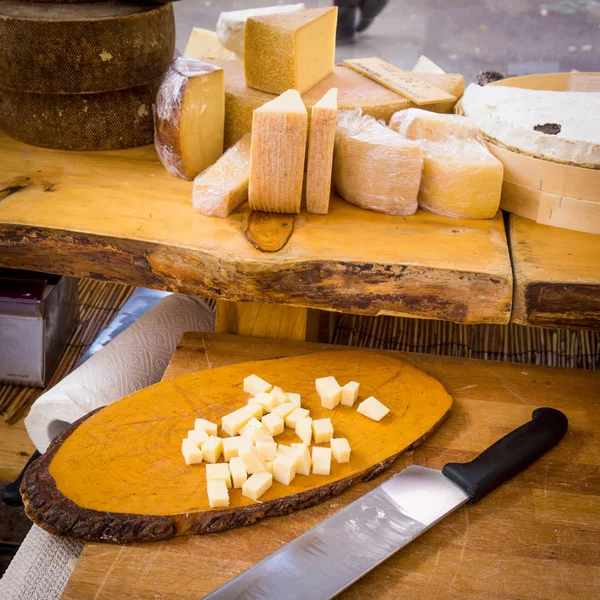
column 189, row 117
column 375, row 167
column 221, row 188
column 203, row 43
column 290, row 50
column 419, row 124
column 231, row 25
column 277, row 154
column 320, row 153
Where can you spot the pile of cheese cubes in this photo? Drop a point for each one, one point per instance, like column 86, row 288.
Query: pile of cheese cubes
column 253, row 459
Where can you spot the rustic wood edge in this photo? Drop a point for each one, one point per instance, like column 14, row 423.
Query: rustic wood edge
column 48, row 508
column 465, row 297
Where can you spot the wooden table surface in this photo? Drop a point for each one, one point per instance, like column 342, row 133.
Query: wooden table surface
column 538, row 536
column 557, row 275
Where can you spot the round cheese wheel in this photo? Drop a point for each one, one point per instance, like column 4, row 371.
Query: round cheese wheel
column 105, row 121
column 83, row 48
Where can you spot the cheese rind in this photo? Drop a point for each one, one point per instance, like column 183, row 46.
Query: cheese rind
column 210, row 428
column 218, row 495
column 284, row 469
column 204, row 43
column 257, row 485
column 340, row 448
column 373, row 409
column 238, row 471
column 254, row 385
column 322, row 430
column 320, row 153
column 218, row 472
column 291, row 50
column 350, row 393
column 304, row 430
column 223, row 186
column 278, row 151
column 191, row 453
column 189, row 117
column 321, row 460
column 375, row 167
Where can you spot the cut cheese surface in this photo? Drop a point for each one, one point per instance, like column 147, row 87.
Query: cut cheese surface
column 292, row 50
column 257, row 485
column 277, row 154
column 273, row 423
column 321, row 460
column 373, row 409
column 284, row 469
column 295, row 416
column 218, row 494
column 191, row 453
column 198, row 436
column 232, row 24
column 254, row 385
column 375, row 167
column 212, row 449
column 238, row 472
column 233, row 422
column 304, row 430
column 340, row 448
column 219, row 472
column 322, row 430
column 251, row 459
column 350, row 393
column 419, row 124
column 221, row 188
column 204, row 43
column 189, row 117
column 320, row 153
column 303, row 460
column 210, row 428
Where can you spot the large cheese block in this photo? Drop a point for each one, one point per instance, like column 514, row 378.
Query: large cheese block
column 277, row 155
column 292, row 50
column 204, row 43
column 562, row 126
column 105, row 121
column 189, row 117
column 419, row 124
column 232, row 24
column 354, row 91
column 375, row 167
column 74, row 48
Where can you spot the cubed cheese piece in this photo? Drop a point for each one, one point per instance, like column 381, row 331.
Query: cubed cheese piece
column 254, row 385
column 252, row 425
column 238, row 471
column 321, row 460
column 419, row 124
column 320, row 153
column 218, row 495
column 267, row 450
column 273, row 423
column 290, row 50
column 329, row 391
column 304, row 430
column 222, row 187
column 303, row 461
column 277, row 154
column 191, row 453
column 203, row 43
column 212, row 449
column 233, row 422
column 252, row 460
column 279, row 396
column 189, row 117
column 257, row 485
column 340, row 448
column 350, row 393
column 322, row 430
column 294, row 398
column 286, row 450
column 198, row 436
column 298, row 413
column 283, row 410
column 257, row 408
column 269, row 464
column 210, row 428
column 232, row 445
column 232, row 24
column 284, row 469
column 220, row 472
column 372, row 408
column 265, row 400
column 260, row 435
column 375, row 167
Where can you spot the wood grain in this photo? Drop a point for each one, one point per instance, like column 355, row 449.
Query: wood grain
column 557, row 278
column 535, row 537
column 120, row 216
column 15, row 449
column 128, row 482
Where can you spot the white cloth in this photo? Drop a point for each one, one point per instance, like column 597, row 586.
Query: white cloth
column 136, row 358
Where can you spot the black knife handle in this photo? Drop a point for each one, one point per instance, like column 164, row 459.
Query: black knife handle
column 509, row 455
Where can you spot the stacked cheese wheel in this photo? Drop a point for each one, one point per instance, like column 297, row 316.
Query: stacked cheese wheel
column 82, row 75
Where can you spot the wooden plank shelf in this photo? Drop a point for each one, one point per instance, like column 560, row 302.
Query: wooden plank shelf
column 120, row 216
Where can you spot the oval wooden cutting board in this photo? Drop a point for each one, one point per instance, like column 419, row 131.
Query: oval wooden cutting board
column 118, row 474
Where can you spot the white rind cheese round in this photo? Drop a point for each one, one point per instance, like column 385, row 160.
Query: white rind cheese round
column 509, row 116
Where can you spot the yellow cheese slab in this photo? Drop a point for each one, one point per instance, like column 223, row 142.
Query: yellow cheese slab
column 204, row 43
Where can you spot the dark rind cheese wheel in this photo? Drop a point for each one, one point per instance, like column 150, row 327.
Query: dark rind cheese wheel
column 83, row 48
column 105, row 121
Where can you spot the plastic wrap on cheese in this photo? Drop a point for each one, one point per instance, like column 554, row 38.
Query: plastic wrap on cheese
column 460, row 177
column 375, row 167
column 221, row 188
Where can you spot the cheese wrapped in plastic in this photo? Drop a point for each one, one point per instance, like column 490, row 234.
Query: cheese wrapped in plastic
column 221, row 188
column 375, row 167
column 460, row 177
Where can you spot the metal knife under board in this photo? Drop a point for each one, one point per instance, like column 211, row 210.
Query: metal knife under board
column 331, row 556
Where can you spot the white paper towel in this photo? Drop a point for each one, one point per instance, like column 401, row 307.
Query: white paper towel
column 136, row 358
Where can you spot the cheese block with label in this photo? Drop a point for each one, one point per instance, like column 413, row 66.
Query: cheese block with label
column 221, row 188
column 320, row 153
column 232, row 24
column 375, row 167
column 292, row 50
column 189, row 117
column 75, row 48
column 277, row 154
column 204, row 43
